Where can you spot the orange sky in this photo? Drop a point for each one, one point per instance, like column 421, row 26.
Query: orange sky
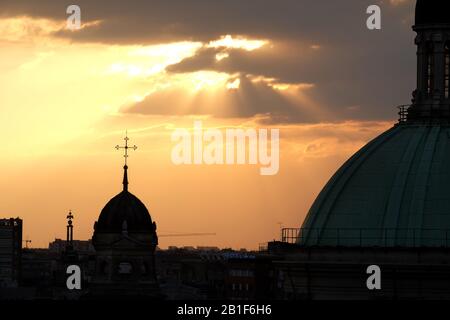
column 64, row 108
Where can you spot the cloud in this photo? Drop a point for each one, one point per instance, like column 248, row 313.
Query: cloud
column 140, row 21
column 344, row 86
column 242, row 97
column 320, row 42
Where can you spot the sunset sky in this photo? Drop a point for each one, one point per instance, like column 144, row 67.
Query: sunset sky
column 310, row 68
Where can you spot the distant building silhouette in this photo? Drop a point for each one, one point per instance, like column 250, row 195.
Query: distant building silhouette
column 59, row 246
column 10, row 252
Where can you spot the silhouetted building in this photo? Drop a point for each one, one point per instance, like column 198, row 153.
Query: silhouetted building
column 80, row 246
column 189, row 273
column 196, row 274
column 45, row 270
column 249, row 277
column 389, row 204
column 10, row 252
column 39, row 272
column 125, row 240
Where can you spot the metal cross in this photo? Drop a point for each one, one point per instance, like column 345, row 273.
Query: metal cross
column 126, row 147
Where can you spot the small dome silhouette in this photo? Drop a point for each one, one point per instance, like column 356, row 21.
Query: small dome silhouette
column 124, row 207
column 432, row 12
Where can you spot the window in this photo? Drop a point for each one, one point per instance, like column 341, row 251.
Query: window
column 447, row 70
column 430, row 69
column 241, row 273
column 104, row 267
column 125, row 268
column 144, row 268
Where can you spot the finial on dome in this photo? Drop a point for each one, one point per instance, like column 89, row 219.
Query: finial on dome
column 125, row 167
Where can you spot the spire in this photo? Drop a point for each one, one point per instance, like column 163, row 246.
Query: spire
column 125, row 167
column 69, row 242
column 125, row 178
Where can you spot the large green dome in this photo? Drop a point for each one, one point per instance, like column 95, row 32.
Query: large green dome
column 395, row 191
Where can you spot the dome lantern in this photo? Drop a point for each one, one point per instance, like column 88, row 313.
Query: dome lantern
column 431, row 99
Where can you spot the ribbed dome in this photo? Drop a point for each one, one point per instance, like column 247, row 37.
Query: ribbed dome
column 432, row 12
column 124, row 207
column 393, row 192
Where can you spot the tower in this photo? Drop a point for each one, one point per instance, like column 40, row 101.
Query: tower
column 125, row 240
column 69, row 239
column 70, row 255
column 431, row 100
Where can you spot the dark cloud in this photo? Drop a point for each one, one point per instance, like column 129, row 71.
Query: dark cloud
column 151, row 21
column 204, row 59
column 249, row 100
column 353, row 82
column 358, row 74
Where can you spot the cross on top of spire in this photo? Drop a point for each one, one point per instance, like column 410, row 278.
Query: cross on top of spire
column 126, row 147
column 125, row 167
